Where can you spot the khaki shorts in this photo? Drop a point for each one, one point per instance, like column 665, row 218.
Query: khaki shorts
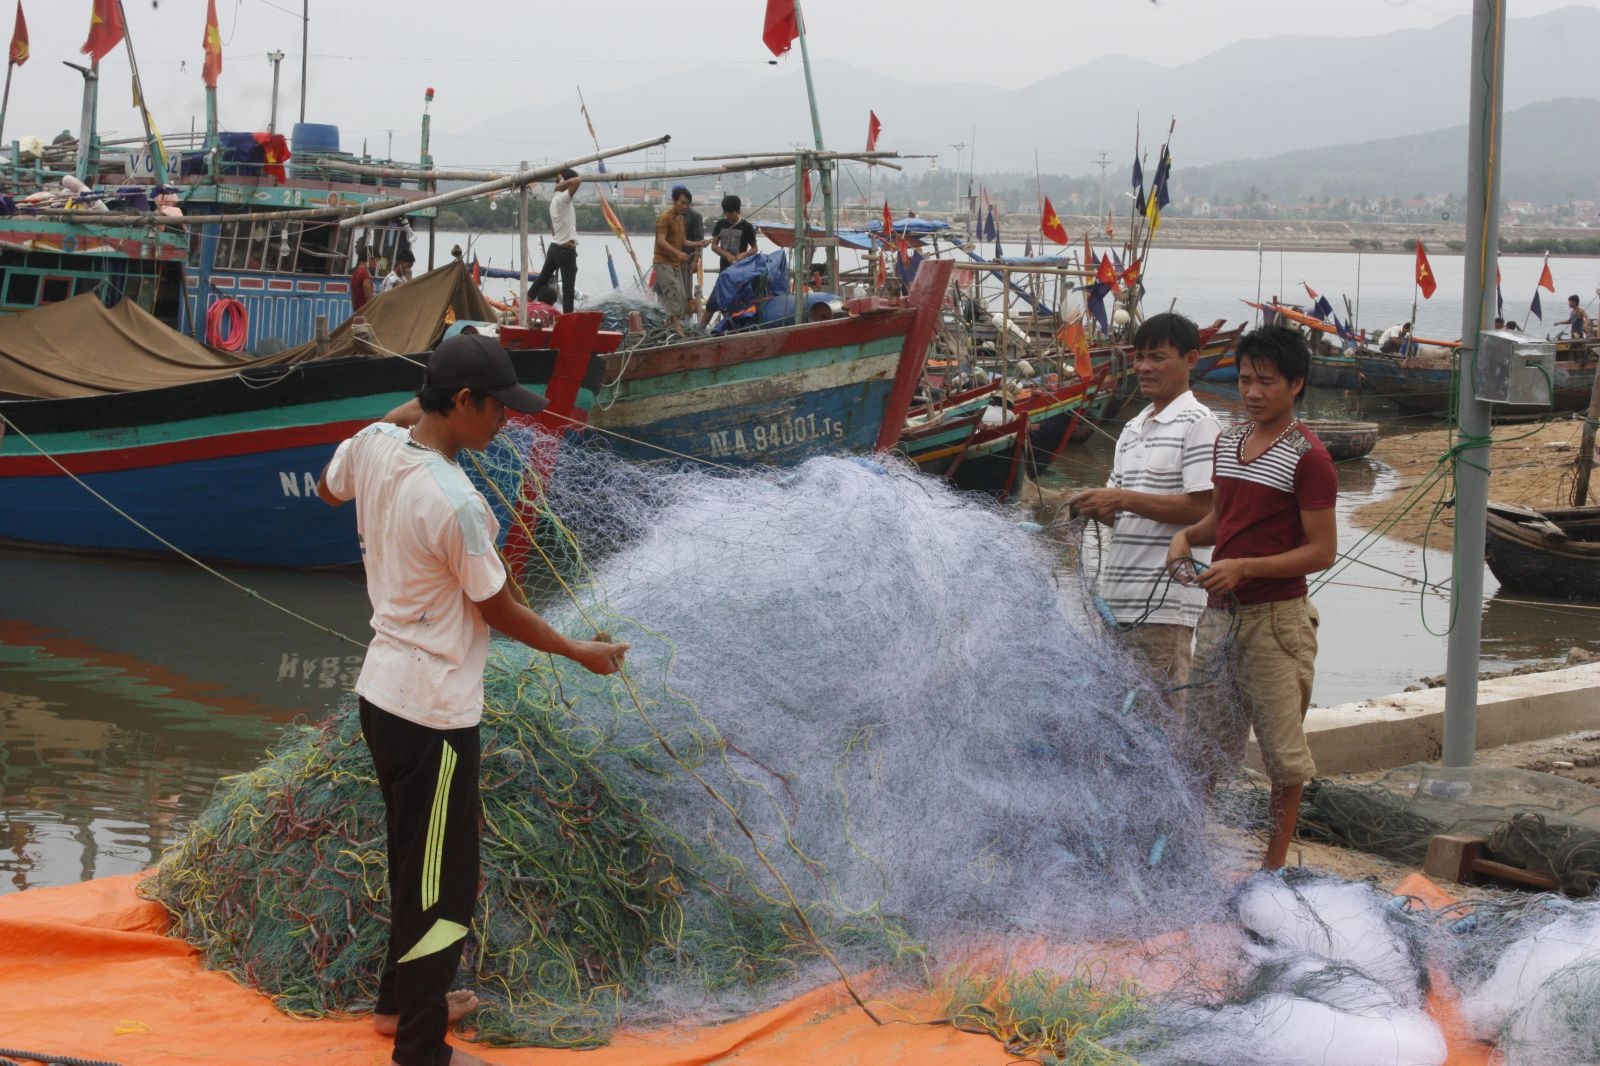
column 1163, row 651
column 669, row 288
column 1263, row 682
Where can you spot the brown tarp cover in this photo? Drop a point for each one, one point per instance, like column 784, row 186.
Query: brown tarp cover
column 79, row 347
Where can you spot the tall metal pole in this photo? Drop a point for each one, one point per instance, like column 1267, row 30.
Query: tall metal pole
column 275, row 58
column 5, row 101
column 1486, row 84
column 305, row 48
column 824, row 166
column 522, row 231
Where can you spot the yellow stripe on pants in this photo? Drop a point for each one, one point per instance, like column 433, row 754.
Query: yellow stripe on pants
column 433, row 850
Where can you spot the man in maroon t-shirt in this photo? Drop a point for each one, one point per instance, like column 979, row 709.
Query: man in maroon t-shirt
column 1272, row 521
column 362, row 286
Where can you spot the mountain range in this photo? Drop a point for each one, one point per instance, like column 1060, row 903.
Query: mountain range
column 1249, row 100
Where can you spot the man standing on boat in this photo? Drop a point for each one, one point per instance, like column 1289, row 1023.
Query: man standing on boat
column 562, row 255
column 670, row 257
column 694, row 239
column 1160, row 483
column 1272, row 522
column 362, row 287
column 436, row 585
column 403, row 262
column 1577, row 321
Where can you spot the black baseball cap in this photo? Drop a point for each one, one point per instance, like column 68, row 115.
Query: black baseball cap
column 473, row 361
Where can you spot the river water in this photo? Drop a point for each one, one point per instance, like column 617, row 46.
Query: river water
column 127, row 689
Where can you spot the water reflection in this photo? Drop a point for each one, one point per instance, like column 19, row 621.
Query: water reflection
column 127, row 689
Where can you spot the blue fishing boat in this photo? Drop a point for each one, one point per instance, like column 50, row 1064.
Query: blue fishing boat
column 223, row 466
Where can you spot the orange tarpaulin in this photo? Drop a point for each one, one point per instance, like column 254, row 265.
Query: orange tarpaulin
column 86, row 972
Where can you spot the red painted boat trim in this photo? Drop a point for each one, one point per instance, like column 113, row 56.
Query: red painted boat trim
column 253, row 283
column 927, row 295
column 339, row 288
column 280, row 286
column 220, row 446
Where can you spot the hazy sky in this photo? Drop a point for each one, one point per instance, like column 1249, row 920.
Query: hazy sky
column 370, row 60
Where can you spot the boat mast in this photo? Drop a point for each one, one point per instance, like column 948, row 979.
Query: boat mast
column 823, row 166
column 1477, row 313
column 305, row 47
column 158, row 152
column 87, row 140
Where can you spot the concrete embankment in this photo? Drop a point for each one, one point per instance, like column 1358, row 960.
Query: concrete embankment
column 1389, row 731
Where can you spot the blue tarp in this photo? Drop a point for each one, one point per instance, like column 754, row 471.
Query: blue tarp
column 911, row 227
column 750, row 279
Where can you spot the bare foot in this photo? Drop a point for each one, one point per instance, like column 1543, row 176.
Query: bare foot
column 459, row 1003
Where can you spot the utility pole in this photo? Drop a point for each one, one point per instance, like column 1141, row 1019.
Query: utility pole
column 305, row 48
column 1104, row 161
column 955, row 205
column 275, row 58
column 1487, row 95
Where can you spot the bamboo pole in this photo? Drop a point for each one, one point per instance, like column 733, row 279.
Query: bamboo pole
column 522, row 246
column 106, row 218
column 415, row 174
column 541, row 173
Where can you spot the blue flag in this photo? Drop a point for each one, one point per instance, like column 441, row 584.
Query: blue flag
column 1534, row 310
column 1138, row 183
column 612, row 267
column 1096, row 300
column 998, row 251
column 1322, row 309
column 990, row 231
column 1027, row 248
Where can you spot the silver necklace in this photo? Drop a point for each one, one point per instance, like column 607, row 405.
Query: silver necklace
column 1275, row 440
column 411, row 435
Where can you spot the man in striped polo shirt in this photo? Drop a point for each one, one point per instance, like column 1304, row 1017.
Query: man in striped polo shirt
column 1160, row 482
column 1272, row 522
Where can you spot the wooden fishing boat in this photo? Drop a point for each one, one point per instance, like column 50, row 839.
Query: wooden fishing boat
column 224, row 466
column 774, row 396
column 1424, row 385
column 1344, row 440
column 1554, row 553
column 1218, row 361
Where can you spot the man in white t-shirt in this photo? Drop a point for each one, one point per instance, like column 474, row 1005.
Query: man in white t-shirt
column 403, row 262
column 436, row 585
column 1160, row 483
column 562, row 254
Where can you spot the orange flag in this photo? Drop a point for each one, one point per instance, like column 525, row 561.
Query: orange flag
column 1545, row 280
column 611, row 216
column 19, row 39
column 1110, row 230
column 888, row 222
column 874, row 127
column 213, row 47
column 106, row 29
column 1425, row 279
column 1075, row 340
column 1050, row 224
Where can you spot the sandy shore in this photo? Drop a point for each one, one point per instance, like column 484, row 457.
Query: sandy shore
column 1531, row 465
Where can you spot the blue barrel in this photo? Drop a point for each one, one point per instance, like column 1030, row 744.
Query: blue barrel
column 307, row 142
column 312, row 139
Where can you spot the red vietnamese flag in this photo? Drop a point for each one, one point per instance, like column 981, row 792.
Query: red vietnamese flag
column 1110, row 230
column 19, row 39
column 1546, row 282
column 888, row 222
column 1425, row 279
column 782, row 26
column 1106, row 274
column 274, row 153
column 213, row 47
column 1130, row 276
column 874, row 127
column 106, row 29
column 1050, row 224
